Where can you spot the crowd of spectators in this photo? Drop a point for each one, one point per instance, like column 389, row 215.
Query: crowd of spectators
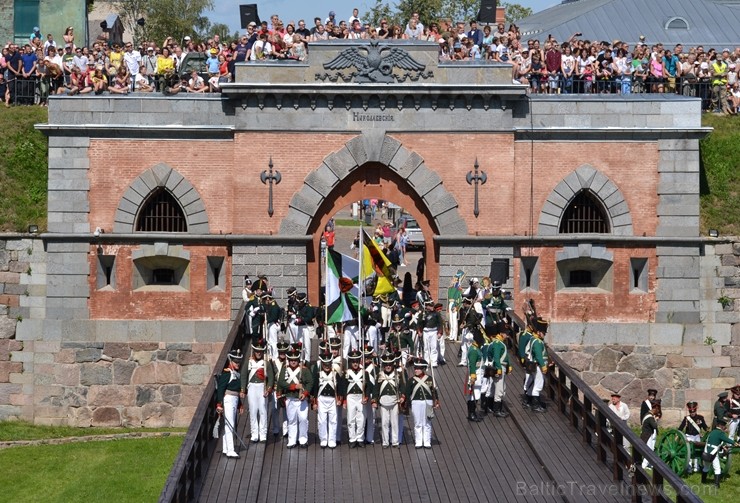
column 43, row 66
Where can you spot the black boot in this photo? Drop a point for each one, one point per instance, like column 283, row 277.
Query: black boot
column 500, row 412
column 716, row 480
column 472, row 416
column 527, row 402
column 537, row 404
column 704, row 477
column 483, row 407
column 490, row 404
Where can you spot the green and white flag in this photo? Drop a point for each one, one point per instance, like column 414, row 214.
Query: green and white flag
column 342, row 273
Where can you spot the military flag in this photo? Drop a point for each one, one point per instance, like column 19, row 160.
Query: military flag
column 374, row 261
column 342, row 276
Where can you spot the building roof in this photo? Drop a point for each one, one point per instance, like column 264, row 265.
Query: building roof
column 690, row 22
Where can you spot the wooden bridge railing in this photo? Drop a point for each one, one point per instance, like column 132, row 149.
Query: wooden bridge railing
column 588, row 414
column 191, row 464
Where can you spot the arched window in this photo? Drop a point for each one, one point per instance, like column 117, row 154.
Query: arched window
column 161, row 213
column 584, row 215
column 677, row 23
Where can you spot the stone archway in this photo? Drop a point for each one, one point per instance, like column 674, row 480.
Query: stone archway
column 404, row 179
column 586, row 177
column 181, row 189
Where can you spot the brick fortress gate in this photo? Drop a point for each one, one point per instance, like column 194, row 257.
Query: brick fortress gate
column 129, row 315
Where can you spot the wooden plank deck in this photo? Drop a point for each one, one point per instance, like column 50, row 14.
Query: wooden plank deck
column 525, row 457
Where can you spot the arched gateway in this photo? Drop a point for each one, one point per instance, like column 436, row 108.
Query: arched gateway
column 373, row 165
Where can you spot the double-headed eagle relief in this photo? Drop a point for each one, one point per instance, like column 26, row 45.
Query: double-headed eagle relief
column 375, row 63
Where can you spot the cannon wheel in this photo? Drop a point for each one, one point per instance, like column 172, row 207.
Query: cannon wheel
column 725, row 462
column 673, row 448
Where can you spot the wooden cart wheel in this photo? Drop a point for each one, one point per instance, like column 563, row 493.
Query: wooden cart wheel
column 673, row 448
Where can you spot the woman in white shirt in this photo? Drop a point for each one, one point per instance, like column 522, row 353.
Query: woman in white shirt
column 568, row 67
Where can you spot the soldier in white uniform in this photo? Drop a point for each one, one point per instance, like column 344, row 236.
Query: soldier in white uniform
column 256, row 385
column 385, row 397
column 356, row 395
column 422, row 393
column 326, row 398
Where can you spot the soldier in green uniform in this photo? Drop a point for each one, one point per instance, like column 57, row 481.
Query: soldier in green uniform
column 256, row 385
column 399, row 339
column 692, row 425
column 422, row 393
column 475, row 376
column 716, row 439
column 228, row 384
column 326, row 397
column 521, row 350
column 278, row 403
column 305, row 323
column 356, row 394
column 499, row 357
column 256, row 313
column 470, row 321
column 385, row 396
column 649, row 431
column 720, row 410
column 273, row 316
column 538, row 366
column 295, row 384
column 430, row 328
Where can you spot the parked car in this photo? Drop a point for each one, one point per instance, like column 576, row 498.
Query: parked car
column 413, row 231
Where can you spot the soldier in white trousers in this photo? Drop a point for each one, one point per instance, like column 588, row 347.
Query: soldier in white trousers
column 256, row 385
column 228, row 384
column 430, row 328
column 351, row 339
column 422, row 394
column 279, row 427
column 356, row 394
column 385, row 397
column 326, row 398
column 295, row 385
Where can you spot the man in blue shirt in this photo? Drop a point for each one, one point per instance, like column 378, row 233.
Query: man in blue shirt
column 670, row 61
column 26, row 89
column 475, row 34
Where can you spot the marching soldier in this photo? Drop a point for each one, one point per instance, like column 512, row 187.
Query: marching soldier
column 538, row 366
column 278, row 401
column 295, row 385
column 256, row 385
column 649, row 431
column 647, row 405
column 692, row 425
column 430, row 328
column 326, row 399
column 256, row 314
column 521, row 351
column 355, row 397
column 715, row 441
column 305, row 324
column 499, row 357
column 273, row 317
column 291, row 312
column 371, row 375
column 422, row 393
column 228, row 384
column 476, row 371
column 385, row 397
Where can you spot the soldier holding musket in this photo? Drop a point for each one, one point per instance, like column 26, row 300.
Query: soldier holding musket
column 430, row 328
column 400, row 340
column 273, row 316
column 356, row 394
column 306, row 317
column 470, row 324
column 278, row 401
column 475, row 376
column 256, row 385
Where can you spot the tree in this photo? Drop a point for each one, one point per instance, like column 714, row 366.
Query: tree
column 380, row 11
column 515, row 12
column 429, row 10
column 164, row 18
column 460, row 10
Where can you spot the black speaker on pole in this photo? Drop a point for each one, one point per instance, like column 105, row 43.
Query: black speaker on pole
column 248, row 13
column 487, row 12
column 500, row 270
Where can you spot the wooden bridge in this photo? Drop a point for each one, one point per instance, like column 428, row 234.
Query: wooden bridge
column 565, row 454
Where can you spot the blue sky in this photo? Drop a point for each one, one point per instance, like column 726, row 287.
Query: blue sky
column 227, row 11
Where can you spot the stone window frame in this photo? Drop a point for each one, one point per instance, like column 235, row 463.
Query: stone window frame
column 589, row 257
column 588, row 178
column 147, row 258
column 155, row 178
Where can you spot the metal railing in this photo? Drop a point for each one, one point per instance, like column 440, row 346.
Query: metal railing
column 185, row 479
column 588, row 414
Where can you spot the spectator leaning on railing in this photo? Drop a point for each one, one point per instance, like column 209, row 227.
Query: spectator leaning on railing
column 40, row 69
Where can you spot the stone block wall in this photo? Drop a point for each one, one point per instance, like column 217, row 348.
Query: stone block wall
column 684, row 361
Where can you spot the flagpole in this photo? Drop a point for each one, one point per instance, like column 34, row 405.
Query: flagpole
column 361, row 289
column 326, row 303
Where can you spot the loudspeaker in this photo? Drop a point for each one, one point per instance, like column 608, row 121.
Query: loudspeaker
column 248, row 13
column 487, row 12
column 500, row 270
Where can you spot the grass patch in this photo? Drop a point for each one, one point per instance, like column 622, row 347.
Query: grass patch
column 24, row 160
column 720, row 171
column 120, row 470
column 11, row 431
column 346, row 222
